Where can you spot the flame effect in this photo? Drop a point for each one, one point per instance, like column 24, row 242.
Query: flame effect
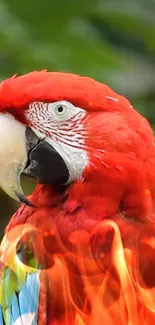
column 86, row 283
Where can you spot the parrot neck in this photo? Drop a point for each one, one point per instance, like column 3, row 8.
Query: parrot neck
column 93, row 197
column 103, row 192
column 98, row 193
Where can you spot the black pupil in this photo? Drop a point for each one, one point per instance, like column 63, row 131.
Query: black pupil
column 60, row 109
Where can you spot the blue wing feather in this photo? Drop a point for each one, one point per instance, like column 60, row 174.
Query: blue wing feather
column 23, row 303
column 19, row 299
column 15, row 308
column 29, row 296
column 1, row 318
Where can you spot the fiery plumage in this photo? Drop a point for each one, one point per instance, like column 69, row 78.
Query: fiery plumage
column 84, row 252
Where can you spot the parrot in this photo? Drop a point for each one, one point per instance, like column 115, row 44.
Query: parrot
column 80, row 250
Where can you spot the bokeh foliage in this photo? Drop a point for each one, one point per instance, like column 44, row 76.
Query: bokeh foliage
column 112, row 41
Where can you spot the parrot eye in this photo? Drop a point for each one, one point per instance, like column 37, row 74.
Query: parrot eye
column 60, row 109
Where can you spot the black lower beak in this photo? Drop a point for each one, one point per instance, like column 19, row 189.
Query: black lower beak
column 44, row 162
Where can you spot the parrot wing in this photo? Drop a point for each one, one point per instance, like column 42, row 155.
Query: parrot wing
column 19, row 280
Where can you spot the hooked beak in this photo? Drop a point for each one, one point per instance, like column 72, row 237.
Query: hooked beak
column 21, row 151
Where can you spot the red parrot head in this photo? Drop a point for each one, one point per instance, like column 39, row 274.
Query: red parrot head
column 61, row 128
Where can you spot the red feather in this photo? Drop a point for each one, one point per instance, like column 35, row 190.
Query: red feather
column 96, row 238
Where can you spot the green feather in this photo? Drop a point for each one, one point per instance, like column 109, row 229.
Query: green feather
column 13, row 280
column 7, row 315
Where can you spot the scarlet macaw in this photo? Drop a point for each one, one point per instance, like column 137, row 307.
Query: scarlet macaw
column 81, row 249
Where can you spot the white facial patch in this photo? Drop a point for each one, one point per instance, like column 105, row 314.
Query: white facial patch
column 60, row 123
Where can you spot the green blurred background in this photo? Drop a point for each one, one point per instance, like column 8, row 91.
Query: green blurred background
column 112, row 41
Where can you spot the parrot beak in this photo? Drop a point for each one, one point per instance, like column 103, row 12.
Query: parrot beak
column 13, row 156
column 22, row 151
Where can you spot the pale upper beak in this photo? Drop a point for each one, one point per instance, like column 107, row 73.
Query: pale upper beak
column 13, row 155
column 21, row 148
